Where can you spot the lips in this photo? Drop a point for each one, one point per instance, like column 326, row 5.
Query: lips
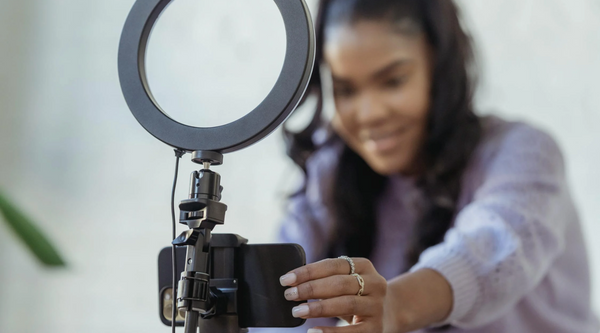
column 383, row 141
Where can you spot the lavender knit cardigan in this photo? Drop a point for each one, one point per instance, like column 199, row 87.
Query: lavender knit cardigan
column 514, row 257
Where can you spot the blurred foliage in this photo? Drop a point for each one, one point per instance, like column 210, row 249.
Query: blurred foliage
column 30, row 234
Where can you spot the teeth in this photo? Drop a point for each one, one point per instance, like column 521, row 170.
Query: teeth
column 371, row 145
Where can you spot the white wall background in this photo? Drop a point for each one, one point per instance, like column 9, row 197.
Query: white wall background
column 72, row 155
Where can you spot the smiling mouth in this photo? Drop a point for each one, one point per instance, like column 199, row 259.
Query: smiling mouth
column 384, row 142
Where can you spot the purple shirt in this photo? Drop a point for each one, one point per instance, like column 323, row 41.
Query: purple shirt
column 514, row 257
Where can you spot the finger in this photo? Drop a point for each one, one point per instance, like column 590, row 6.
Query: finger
column 333, row 286
column 325, row 268
column 339, row 307
column 364, row 327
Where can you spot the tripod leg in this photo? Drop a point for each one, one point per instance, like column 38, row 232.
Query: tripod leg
column 191, row 322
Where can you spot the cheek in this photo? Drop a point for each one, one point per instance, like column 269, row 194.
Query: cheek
column 344, row 107
column 346, row 127
column 344, row 114
column 412, row 108
column 412, row 102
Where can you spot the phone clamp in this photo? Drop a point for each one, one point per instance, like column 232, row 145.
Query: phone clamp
column 199, row 296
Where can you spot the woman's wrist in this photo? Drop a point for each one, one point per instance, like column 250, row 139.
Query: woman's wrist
column 415, row 300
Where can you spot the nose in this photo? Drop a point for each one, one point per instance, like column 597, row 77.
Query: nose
column 371, row 110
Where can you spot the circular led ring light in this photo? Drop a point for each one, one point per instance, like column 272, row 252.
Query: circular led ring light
column 270, row 113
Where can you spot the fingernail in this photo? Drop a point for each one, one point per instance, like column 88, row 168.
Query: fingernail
column 314, row 330
column 288, row 279
column 300, row 311
column 291, row 294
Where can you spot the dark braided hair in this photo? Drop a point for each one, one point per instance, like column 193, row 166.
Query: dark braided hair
column 453, row 130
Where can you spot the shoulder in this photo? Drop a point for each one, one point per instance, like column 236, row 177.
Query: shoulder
column 517, row 147
column 513, row 155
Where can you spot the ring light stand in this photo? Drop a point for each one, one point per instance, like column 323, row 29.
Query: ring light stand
column 197, row 296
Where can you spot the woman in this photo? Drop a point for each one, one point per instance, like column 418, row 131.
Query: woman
column 467, row 222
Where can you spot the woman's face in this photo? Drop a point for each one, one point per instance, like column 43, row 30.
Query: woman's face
column 381, row 84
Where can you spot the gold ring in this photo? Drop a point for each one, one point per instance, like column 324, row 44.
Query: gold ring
column 361, row 283
column 350, row 261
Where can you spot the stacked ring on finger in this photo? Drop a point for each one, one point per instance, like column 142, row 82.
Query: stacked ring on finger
column 361, row 283
column 350, row 261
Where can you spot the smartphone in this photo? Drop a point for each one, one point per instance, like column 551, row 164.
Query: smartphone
column 257, row 267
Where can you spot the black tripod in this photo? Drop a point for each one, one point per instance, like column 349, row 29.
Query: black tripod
column 218, row 268
column 208, row 303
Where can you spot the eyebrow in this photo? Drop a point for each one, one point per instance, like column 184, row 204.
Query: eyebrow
column 380, row 72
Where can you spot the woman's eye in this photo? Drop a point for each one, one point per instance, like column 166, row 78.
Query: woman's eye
column 395, row 82
column 343, row 91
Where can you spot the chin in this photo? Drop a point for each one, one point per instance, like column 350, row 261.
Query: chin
column 387, row 167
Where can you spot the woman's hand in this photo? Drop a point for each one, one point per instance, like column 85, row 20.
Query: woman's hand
column 408, row 302
column 330, row 282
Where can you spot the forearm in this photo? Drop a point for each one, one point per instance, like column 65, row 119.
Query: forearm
column 416, row 300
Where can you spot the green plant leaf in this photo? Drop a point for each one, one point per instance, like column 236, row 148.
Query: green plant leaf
column 35, row 240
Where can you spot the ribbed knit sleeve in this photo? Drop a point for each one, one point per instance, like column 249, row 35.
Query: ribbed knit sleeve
column 504, row 241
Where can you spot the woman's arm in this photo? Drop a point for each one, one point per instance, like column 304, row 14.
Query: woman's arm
column 504, row 242
column 501, row 246
column 415, row 300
